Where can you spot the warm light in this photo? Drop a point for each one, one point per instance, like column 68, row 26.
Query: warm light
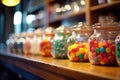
column 63, row 9
column 10, row 2
column 68, row 7
column 17, row 18
column 30, row 18
column 58, row 10
column 82, row 2
column 76, row 7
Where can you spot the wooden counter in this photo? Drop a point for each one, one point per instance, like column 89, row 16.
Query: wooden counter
column 59, row 69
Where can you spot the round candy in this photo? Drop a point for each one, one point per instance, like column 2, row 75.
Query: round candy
column 102, row 50
column 108, row 50
column 99, row 54
column 100, row 44
column 97, row 50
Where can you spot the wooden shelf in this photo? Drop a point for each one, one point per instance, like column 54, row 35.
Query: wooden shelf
column 60, row 69
column 68, row 15
column 34, row 9
column 102, row 6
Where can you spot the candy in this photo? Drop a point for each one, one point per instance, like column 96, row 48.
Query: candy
column 45, row 48
column 102, row 50
column 103, row 54
column 60, row 47
column 97, row 50
column 80, row 50
column 108, row 50
column 100, row 44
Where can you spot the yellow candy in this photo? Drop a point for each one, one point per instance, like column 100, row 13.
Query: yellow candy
column 85, row 44
column 81, row 50
column 86, row 56
column 77, row 53
column 71, row 56
column 72, row 46
column 100, row 44
column 86, row 50
column 108, row 50
column 69, row 48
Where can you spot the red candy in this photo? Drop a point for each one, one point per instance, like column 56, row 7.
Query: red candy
column 99, row 57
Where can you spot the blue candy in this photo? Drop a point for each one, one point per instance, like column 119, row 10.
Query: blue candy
column 102, row 50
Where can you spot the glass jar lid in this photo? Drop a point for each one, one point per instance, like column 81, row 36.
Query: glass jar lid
column 30, row 34
column 49, row 30
column 63, row 30
column 83, row 27
column 23, row 34
column 109, row 26
column 38, row 32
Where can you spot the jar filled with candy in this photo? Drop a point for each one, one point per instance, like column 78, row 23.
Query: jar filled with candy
column 15, row 45
column 118, row 49
column 20, row 42
column 78, row 42
column 102, row 45
column 27, row 44
column 46, row 43
column 60, row 42
column 35, row 42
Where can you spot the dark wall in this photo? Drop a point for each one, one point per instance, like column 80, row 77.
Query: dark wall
column 6, row 22
column 9, row 27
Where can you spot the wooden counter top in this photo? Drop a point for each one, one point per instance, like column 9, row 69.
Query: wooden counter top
column 60, row 69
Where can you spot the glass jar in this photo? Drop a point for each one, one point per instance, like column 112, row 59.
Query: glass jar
column 78, row 42
column 27, row 44
column 10, row 43
column 35, row 42
column 20, row 43
column 102, row 45
column 15, row 45
column 46, row 43
column 118, row 49
column 60, row 42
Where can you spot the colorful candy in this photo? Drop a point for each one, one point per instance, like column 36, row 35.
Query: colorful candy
column 46, row 49
column 46, row 43
column 27, row 43
column 78, row 51
column 102, row 52
column 60, row 42
column 60, row 47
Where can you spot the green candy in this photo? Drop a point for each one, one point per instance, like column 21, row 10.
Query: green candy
column 97, row 50
column 80, row 56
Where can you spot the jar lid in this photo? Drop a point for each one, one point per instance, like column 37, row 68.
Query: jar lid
column 49, row 30
column 38, row 32
column 17, row 36
column 109, row 26
column 23, row 34
column 83, row 27
column 30, row 34
column 63, row 29
column 74, row 28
